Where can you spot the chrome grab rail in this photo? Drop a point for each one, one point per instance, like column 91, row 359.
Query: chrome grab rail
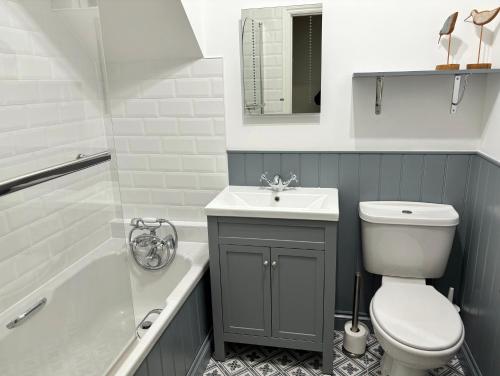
column 27, row 314
column 34, row 178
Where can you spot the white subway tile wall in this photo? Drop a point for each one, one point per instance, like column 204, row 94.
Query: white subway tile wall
column 168, row 122
column 51, row 109
column 51, row 105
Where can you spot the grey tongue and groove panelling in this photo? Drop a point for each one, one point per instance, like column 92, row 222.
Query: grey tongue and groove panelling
column 439, row 178
column 177, row 351
column 481, row 279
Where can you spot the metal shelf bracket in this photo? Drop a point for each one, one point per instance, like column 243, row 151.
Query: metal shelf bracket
column 379, row 90
column 459, row 87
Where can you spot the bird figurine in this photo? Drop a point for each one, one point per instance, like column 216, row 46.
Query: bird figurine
column 480, row 19
column 447, row 29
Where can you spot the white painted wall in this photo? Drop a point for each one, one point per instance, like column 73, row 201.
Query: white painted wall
column 365, row 36
column 490, row 143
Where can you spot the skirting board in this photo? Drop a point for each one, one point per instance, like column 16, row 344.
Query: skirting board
column 201, row 361
column 468, row 361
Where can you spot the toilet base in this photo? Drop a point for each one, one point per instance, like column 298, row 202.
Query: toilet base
column 392, row 367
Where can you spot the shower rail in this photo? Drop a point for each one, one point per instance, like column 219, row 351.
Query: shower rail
column 81, row 162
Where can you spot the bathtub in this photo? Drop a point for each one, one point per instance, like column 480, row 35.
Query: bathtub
column 87, row 326
column 157, row 289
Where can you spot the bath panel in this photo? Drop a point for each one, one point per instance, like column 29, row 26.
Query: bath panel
column 184, row 347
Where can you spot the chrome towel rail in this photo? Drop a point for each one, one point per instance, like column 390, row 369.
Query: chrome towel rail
column 37, row 177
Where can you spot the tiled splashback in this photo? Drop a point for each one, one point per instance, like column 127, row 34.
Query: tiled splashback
column 440, row 178
column 168, row 123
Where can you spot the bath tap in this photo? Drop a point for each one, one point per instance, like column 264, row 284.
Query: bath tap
column 276, row 183
column 160, row 251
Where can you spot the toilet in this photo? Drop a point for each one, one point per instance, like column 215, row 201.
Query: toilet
column 408, row 242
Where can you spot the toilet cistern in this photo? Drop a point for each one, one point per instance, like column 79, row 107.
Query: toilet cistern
column 406, row 243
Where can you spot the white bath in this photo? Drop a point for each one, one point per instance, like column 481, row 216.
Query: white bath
column 87, row 326
column 158, row 289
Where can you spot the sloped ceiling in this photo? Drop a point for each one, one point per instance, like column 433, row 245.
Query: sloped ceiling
column 139, row 30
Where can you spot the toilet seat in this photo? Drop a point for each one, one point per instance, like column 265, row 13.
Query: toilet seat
column 417, row 316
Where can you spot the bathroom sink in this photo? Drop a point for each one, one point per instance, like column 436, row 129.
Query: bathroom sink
column 294, row 203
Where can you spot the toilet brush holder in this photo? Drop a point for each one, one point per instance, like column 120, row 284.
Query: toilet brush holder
column 355, row 333
column 355, row 342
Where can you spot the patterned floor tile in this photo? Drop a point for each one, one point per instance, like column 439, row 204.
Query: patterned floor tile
column 248, row 360
column 266, row 369
column 285, row 360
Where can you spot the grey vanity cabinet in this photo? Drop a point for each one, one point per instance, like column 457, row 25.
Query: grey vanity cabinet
column 297, row 294
column 246, row 289
column 273, row 283
column 272, row 291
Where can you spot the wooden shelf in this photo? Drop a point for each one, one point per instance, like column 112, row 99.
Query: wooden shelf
column 425, row 73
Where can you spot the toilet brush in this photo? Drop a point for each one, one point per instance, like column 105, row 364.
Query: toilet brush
column 356, row 333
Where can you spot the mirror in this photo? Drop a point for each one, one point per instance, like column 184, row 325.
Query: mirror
column 281, row 60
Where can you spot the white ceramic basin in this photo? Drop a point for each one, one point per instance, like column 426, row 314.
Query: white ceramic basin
column 295, row 203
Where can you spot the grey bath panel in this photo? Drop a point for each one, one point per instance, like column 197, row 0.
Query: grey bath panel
column 297, row 294
column 154, row 361
column 143, row 370
column 434, row 177
column 245, row 283
column 176, row 350
column 167, row 344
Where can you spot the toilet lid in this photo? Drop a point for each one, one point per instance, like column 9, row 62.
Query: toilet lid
column 417, row 316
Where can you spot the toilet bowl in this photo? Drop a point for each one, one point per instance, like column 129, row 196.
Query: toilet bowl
column 418, row 328
column 407, row 242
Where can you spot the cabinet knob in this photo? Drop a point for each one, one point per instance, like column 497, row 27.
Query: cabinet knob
column 266, row 263
column 274, row 264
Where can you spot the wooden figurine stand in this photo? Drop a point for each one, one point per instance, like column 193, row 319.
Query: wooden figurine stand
column 479, row 66
column 448, row 66
column 447, row 29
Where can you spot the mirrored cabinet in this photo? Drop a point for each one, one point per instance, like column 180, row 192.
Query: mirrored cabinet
column 281, row 60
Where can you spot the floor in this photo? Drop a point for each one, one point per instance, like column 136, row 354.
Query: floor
column 248, row 360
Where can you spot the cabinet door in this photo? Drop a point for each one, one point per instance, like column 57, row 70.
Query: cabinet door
column 297, row 294
column 246, row 289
